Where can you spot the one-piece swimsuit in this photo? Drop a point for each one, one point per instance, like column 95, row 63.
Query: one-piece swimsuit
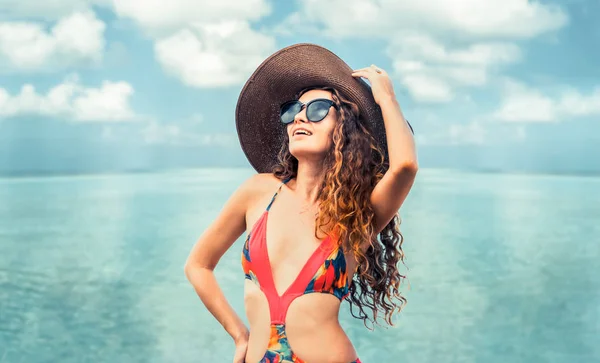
column 324, row 272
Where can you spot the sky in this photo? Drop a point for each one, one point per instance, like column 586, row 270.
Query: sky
column 132, row 85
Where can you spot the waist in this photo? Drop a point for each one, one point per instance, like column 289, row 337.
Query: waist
column 325, row 342
column 311, row 326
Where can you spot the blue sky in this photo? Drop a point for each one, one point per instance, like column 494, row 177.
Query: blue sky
column 100, row 85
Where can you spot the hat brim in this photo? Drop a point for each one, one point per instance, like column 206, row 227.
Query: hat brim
column 279, row 79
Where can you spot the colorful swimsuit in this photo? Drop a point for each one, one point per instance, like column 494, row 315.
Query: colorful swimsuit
column 324, row 272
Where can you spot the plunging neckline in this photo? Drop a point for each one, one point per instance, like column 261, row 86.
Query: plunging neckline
column 296, row 280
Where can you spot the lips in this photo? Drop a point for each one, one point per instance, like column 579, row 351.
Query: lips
column 308, row 133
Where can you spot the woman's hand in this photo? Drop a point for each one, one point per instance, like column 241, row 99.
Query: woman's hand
column 241, row 346
column 381, row 84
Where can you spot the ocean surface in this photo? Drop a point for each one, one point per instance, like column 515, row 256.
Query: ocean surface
column 502, row 268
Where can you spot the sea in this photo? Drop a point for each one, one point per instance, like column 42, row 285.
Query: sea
column 500, row 268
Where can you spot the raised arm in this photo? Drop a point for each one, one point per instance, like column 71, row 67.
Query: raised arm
column 206, row 253
column 391, row 191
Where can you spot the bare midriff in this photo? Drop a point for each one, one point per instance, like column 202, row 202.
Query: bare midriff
column 312, row 327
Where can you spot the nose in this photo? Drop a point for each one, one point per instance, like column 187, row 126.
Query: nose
column 301, row 116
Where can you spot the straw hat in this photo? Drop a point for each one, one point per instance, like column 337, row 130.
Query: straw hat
column 279, row 79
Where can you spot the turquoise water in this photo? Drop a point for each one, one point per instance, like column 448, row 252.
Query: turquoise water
column 502, row 268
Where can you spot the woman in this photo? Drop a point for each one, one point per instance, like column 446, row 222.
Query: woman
column 328, row 185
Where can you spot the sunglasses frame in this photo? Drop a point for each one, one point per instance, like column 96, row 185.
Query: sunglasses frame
column 327, row 100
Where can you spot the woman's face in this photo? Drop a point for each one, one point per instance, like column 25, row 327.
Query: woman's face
column 320, row 139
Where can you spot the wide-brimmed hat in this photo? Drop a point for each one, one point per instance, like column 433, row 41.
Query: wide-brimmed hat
column 279, row 79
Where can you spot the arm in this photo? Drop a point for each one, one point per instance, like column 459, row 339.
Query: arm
column 204, row 256
column 391, row 191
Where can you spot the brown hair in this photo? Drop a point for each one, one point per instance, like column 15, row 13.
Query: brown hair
column 351, row 170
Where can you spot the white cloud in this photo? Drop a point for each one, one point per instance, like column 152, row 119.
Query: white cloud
column 70, row 100
column 203, row 43
column 213, row 55
column 110, row 102
column 392, row 18
column 435, row 46
column 173, row 15
column 430, row 71
column 525, row 104
column 75, row 39
column 573, row 103
column 46, row 10
column 425, row 88
column 422, row 46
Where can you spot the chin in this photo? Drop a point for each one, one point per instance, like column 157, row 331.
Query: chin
column 300, row 152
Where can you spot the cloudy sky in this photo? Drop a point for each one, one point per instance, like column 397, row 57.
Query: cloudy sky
column 104, row 85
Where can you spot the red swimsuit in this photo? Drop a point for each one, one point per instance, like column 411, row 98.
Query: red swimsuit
column 324, row 272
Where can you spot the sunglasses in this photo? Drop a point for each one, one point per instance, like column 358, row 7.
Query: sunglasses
column 316, row 110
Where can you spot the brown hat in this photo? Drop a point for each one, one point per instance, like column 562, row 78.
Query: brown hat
column 279, row 79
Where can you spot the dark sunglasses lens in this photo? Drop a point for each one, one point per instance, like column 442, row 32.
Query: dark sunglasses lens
column 289, row 111
column 317, row 110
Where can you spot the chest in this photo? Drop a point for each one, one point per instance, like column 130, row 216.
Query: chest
column 290, row 236
column 286, row 242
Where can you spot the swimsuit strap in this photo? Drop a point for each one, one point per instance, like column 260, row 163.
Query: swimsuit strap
column 277, row 192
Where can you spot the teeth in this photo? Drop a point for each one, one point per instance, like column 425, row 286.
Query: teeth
column 302, row 132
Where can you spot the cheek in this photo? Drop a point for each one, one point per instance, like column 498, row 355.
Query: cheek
column 331, row 128
column 328, row 124
column 327, row 137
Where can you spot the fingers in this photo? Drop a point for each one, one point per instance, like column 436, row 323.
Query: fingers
column 365, row 72
column 377, row 69
column 362, row 73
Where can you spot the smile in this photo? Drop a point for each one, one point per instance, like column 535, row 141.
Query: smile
column 302, row 132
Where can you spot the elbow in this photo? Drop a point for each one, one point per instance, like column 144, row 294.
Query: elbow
column 189, row 268
column 194, row 270
column 409, row 167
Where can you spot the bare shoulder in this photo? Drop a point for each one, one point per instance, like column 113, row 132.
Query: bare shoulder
column 231, row 221
column 260, row 178
column 258, row 187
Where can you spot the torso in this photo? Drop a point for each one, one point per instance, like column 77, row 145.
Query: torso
column 311, row 322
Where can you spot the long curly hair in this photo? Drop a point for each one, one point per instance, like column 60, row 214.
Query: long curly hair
column 352, row 168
